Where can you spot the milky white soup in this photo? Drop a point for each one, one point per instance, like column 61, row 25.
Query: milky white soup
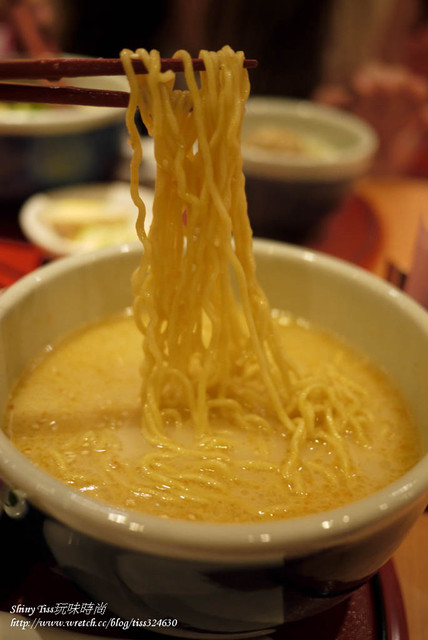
column 76, row 414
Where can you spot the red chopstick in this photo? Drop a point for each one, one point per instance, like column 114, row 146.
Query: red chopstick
column 55, row 68
column 16, row 92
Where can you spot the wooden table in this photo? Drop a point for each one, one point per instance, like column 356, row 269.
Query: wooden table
column 397, row 205
column 411, row 563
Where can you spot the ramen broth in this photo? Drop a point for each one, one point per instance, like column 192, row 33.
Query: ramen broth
column 76, row 414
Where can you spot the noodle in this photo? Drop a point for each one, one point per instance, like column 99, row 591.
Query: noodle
column 210, row 355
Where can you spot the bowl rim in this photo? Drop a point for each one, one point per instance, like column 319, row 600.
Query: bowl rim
column 347, row 164
column 249, row 543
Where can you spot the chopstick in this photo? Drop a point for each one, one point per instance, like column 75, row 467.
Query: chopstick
column 56, row 68
column 16, row 92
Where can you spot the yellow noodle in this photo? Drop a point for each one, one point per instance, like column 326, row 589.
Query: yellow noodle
column 221, row 351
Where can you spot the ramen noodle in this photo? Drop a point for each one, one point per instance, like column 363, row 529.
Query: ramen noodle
column 232, row 423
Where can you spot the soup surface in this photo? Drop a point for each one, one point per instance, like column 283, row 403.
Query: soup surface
column 76, row 414
column 281, row 139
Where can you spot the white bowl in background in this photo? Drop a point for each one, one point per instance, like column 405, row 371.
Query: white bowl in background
column 304, row 184
column 339, row 145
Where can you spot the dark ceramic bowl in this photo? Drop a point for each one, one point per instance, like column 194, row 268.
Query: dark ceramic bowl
column 48, row 147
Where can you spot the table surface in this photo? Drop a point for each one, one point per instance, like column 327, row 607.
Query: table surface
column 395, row 206
column 411, row 563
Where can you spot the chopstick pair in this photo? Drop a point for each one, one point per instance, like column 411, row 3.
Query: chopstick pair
column 53, row 69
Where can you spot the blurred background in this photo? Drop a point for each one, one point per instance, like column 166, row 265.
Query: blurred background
column 360, row 68
column 370, row 56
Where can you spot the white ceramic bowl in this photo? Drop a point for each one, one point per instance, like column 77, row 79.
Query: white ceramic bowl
column 232, row 580
column 334, row 148
column 55, row 146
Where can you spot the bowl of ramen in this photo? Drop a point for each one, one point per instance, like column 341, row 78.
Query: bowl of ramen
column 211, row 577
column 47, row 146
column 221, row 436
column 302, row 158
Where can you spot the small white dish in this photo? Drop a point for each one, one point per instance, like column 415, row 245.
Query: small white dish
column 82, row 218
